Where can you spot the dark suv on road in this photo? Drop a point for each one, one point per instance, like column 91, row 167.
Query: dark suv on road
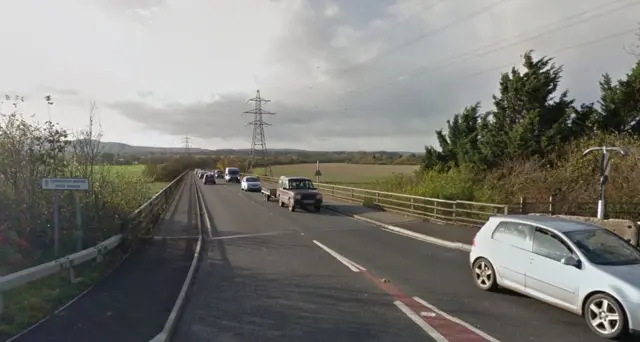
column 209, row 178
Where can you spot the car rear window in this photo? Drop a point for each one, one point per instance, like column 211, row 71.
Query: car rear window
column 251, row 179
column 513, row 233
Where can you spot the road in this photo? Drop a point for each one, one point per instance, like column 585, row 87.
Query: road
column 133, row 302
column 272, row 275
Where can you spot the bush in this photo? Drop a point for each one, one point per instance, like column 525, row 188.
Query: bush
column 30, row 152
column 176, row 166
column 574, row 179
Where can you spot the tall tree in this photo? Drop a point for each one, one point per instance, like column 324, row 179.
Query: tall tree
column 529, row 120
column 620, row 103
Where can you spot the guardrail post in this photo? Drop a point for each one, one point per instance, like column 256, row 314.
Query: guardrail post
column 66, row 264
column 435, row 209
column 100, row 251
column 412, row 207
column 377, row 197
column 454, row 213
column 352, row 194
column 523, row 205
column 552, row 205
column 124, row 228
column 506, row 209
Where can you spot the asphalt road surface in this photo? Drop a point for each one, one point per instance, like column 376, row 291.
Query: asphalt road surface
column 273, row 275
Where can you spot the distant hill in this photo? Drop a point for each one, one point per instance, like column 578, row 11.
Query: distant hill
column 121, row 148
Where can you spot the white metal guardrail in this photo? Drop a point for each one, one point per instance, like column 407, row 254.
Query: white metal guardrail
column 458, row 212
column 139, row 220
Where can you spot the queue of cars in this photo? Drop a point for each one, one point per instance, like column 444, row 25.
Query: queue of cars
column 291, row 192
column 207, row 176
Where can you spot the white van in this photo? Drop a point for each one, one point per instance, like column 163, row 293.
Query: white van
column 232, row 174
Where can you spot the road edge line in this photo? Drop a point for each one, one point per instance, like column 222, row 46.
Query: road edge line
column 408, row 233
column 433, row 333
column 456, row 320
column 174, row 315
column 339, row 257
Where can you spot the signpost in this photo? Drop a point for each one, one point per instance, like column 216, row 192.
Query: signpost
column 318, row 173
column 66, row 184
column 605, row 167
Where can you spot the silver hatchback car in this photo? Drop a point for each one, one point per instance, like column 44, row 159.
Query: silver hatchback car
column 576, row 266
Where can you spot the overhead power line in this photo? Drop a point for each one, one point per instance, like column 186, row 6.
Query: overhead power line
column 420, row 10
column 499, row 67
column 416, row 40
column 505, row 43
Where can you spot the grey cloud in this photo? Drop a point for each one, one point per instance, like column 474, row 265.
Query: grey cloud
column 362, row 98
column 57, row 91
column 127, row 5
column 145, row 94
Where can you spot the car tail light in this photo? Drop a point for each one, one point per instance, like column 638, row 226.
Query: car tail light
column 473, row 242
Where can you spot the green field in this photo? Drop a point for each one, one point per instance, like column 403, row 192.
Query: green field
column 341, row 173
column 138, row 170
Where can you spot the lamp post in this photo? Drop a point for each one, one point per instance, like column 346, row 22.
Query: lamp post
column 605, row 167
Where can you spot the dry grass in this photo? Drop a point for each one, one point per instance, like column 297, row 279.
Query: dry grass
column 342, row 173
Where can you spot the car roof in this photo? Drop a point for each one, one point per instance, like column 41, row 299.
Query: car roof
column 296, row 177
column 559, row 224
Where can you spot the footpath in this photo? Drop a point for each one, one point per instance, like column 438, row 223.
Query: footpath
column 134, row 301
column 457, row 236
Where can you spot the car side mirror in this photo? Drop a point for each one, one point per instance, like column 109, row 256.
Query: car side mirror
column 570, row 261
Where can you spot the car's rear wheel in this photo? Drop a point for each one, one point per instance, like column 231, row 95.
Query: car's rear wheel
column 605, row 316
column 484, row 275
column 292, row 206
column 316, row 208
column 280, row 203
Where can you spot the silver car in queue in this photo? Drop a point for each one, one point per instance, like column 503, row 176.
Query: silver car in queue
column 576, row 266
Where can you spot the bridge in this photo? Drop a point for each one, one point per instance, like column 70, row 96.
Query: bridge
column 224, row 265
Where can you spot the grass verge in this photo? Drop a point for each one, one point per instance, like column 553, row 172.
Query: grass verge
column 27, row 305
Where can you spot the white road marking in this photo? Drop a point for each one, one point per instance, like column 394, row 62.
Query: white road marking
column 350, row 264
column 456, row 320
column 184, row 237
column 250, row 235
column 420, row 322
column 407, row 233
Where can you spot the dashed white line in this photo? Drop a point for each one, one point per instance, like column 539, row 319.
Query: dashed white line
column 183, row 237
column 456, row 320
column 420, row 322
column 350, row 264
column 250, row 235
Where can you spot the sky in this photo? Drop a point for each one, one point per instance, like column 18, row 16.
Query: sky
column 340, row 74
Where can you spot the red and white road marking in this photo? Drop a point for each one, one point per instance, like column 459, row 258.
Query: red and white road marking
column 439, row 325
